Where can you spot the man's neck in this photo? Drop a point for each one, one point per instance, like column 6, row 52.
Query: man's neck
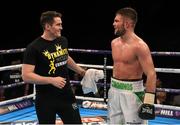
column 128, row 36
column 47, row 36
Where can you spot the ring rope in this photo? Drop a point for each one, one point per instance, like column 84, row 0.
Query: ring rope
column 78, row 82
column 163, row 70
column 165, row 53
column 92, row 52
column 32, row 96
column 12, row 51
column 167, row 107
column 16, row 99
column 80, row 98
column 168, row 90
column 11, row 85
column 12, row 67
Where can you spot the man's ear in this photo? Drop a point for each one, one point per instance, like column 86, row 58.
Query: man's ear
column 47, row 26
column 127, row 24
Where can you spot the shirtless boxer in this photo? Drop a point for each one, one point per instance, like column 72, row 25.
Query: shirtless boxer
column 131, row 58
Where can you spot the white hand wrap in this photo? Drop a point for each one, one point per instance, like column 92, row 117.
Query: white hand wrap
column 149, row 98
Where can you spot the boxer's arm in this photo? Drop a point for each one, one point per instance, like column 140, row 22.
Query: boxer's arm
column 147, row 109
column 145, row 59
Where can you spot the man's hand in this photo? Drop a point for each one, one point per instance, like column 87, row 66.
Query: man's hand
column 58, row 82
column 147, row 109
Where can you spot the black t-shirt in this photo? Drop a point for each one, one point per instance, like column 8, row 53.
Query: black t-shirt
column 49, row 59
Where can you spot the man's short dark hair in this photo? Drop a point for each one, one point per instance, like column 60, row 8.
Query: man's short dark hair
column 129, row 13
column 48, row 17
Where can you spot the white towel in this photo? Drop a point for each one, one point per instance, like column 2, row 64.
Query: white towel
column 89, row 80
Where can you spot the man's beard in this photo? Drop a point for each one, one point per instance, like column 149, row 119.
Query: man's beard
column 120, row 32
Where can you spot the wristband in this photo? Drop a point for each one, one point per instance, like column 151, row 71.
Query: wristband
column 149, row 98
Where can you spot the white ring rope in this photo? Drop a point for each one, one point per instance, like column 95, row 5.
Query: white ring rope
column 91, row 51
column 12, row 51
column 32, row 96
column 166, row 53
column 12, row 85
column 90, row 98
column 16, row 99
column 167, row 107
column 163, row 70
column 168, row 90
column 81, row 98
column 100, row 84
column 12, row 67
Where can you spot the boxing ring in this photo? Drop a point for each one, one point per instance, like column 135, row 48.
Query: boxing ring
column 22, row 111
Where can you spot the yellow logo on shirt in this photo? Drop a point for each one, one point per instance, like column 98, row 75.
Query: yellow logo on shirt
column 53, row 55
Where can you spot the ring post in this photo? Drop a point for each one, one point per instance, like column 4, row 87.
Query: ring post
column 105, row 79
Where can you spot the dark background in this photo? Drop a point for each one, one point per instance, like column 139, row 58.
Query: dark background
column 88, row 25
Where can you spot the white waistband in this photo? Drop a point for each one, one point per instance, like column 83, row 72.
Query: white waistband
column 134, row 86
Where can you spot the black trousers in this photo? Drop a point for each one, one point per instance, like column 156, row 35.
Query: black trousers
column 47, row 108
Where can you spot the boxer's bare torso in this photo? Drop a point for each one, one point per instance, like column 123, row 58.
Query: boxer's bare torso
column 126, row 57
